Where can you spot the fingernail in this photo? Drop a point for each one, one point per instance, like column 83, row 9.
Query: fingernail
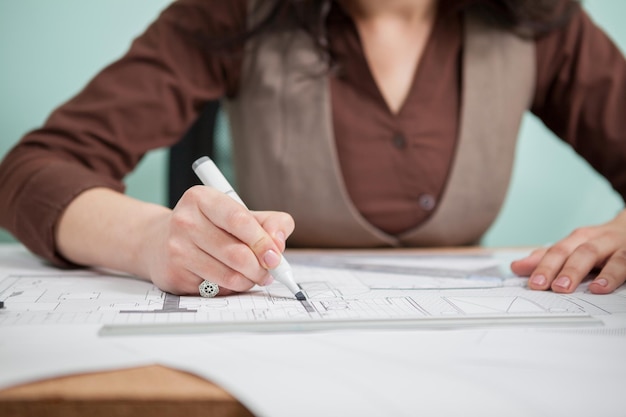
column 563, row 282
column 601, row 282
column 271, row 259
column 538, row 280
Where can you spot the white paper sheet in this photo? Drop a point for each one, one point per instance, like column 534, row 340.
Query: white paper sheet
column 36, row 352
column 49, row 328
column 488, row 372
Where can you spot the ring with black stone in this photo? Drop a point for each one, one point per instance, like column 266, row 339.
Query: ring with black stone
column 208, row 289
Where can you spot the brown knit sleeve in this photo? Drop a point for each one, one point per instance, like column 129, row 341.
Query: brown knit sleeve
column 145, row 100
column 581, row 95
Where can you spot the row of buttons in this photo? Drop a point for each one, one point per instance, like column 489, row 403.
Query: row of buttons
column 426, row 201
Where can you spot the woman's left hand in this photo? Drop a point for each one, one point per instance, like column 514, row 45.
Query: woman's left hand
column 564, row 265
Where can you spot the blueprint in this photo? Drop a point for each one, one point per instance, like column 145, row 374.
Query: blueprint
column 343, row 290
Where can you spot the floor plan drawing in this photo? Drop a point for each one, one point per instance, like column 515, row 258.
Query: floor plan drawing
column 337, row 289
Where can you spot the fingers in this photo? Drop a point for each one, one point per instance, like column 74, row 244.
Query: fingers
column 525, row 266
column 612, row 275
column 236, row 261
column 551, row 264
column 575, row 267
column 183, row 266
column 215, row 238
column 237, row 221
column 565, row 265
column 277, row 224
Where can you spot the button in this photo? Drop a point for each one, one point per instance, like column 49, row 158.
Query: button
column 399, row 141
column 427, row 201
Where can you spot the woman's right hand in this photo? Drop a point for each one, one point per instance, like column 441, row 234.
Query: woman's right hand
column 209, row 236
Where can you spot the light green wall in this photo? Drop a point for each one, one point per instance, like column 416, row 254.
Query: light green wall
column 50, row 49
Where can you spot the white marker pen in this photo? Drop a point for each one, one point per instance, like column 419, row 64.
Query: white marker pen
column 211, row 176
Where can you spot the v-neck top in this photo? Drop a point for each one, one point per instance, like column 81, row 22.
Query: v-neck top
column 395, row 166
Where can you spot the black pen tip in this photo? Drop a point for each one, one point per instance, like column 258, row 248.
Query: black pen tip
column 300, row 296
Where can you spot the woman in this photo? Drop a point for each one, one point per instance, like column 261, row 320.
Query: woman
column 372, row 123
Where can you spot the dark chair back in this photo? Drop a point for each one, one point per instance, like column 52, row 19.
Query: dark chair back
column 198, row 141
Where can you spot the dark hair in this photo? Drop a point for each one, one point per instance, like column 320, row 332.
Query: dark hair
column 527, row 18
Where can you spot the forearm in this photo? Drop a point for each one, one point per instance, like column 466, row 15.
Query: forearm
column 102, row 227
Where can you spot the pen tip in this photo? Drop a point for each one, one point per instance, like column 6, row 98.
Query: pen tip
column 300, row 296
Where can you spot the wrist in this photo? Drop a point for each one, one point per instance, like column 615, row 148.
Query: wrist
column 102, row 227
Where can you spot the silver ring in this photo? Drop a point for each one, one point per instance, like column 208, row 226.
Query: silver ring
column 208, row 289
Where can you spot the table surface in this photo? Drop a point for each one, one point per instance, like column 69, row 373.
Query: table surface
column 151, row 391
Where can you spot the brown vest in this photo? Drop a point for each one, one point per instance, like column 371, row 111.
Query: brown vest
column 285, row 157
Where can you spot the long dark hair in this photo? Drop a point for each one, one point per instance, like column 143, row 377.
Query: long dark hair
column 527, row 17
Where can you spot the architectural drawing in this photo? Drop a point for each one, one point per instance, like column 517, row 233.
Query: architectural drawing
column 336, row 290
